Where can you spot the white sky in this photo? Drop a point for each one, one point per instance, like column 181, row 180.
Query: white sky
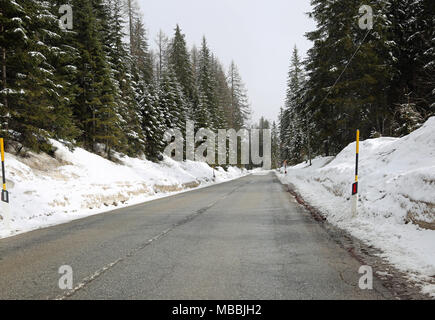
column 258, row 35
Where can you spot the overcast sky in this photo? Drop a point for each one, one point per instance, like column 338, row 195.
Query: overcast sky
column 257, row 34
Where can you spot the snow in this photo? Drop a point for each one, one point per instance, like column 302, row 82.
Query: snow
column 37, row 54
column 17, row 19
column 396, row 189
column 20, row 30
column 46, row 191
column 9, row 91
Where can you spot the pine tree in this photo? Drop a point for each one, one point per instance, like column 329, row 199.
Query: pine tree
column 141, row 55
column 275, row 146
column 172, row 101
column 13, row 41
column 283, row 124
column 239, row 106
column 133, row 17
column 179, row 60
column 162, row 54
column 151, row 119
column 194, row 59
column 35, row 92
column 121, row 66
column 222, row 95
column 413, row 40
column 293, row 133
column 153, row 122
column 358, row 99
column 204, row 113
column 95, row 107
column 89, row 88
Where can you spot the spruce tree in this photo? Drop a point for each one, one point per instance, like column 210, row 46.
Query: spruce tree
column 140, row 53
column 239, row 105
column 35, row 91
column 294, row 135
column 345, row 94
column 275, row 149
column 13, row 42
column 153, row 122
column 95, row 107
column 179, row 60
column 412, row 39
column 172, row 101
column 205, row 110
column 121, row 66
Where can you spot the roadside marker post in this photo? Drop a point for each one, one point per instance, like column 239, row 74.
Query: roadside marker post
column 354, row 198
column 4, row 193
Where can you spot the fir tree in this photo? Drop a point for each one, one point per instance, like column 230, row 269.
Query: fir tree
column 121, row 65
column 179, row 60
column 205, row 111
column 239, row 105
column 153, row 122
column 275, row 146
column 342, row 92
column 35, row 92
column 172, row 101
column 95, row 107
column 293, row 133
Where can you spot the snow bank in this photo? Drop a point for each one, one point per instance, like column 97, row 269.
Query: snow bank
column 396, row 208
column 45, row 191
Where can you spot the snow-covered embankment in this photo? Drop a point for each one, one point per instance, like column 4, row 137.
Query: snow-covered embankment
column 45, row 191
column 396, row 209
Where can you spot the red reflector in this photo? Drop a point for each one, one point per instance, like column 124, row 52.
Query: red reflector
column 355, row 188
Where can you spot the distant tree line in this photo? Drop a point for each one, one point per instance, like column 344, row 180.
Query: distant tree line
column 387, row 89
column 100, row 86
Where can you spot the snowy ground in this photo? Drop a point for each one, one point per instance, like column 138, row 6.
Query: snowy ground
column 46, row 191
column 396, row 208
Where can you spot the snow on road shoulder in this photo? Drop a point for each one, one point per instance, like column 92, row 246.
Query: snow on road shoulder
column 396, row 208
column 45, row 191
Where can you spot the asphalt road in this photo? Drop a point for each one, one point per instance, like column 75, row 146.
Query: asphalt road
column 244, row 239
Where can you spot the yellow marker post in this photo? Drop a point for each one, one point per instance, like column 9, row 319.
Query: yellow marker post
column 355, row 185
column 5, row 213
column 4, row 197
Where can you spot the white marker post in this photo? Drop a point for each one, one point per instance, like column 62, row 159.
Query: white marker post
column 6, row 211
column 355, row 185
